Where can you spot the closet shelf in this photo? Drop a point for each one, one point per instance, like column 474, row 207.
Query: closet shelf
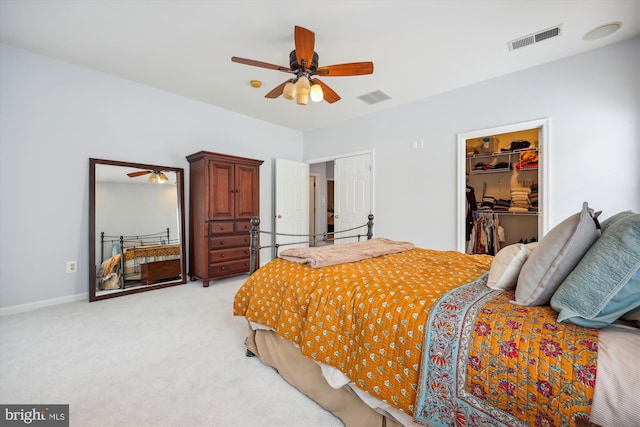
column 499, row 153
column 536, row 213
column 483, row 172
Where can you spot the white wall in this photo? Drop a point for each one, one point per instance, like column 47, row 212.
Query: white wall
column 53, row 117
column 592, row 100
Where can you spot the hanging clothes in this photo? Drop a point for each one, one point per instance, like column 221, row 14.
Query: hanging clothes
column 472, row 206
column 486, row 234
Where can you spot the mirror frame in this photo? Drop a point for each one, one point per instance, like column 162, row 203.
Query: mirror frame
column 92, row 228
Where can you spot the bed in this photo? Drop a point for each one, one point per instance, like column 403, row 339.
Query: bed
column 544, row 334
column 138, row 259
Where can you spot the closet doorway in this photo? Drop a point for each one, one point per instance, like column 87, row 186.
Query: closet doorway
column 502, row 164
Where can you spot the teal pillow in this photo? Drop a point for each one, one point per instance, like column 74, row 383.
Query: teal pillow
column 627, row 298
column 614, row 218
column 606, row 283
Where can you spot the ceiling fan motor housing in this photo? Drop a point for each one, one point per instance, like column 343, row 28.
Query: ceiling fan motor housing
column 293, row 62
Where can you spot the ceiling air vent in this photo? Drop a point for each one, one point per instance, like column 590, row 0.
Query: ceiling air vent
column 535, row 38
column 374, row 97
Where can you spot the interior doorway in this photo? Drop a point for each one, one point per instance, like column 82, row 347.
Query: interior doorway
column 356, row 180
column 542, row 127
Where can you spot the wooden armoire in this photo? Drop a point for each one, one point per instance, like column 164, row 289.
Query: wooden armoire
column 224, row 194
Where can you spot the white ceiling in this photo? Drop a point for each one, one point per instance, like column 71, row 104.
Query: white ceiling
column 419, row 48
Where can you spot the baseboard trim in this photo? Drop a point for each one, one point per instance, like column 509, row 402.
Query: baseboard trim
column 21, row 308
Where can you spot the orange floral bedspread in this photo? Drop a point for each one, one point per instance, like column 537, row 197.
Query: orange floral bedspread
column 151, row 251
column 366, row 319
column 492, row 363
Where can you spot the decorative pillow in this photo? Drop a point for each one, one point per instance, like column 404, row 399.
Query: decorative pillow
column 506, row 265
column 606, row 283
column 614, row 218
column 556, row 255
column 628, row 297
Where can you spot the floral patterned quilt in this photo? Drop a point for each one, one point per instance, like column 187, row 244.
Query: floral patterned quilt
column 492, row 363
column 364, row 318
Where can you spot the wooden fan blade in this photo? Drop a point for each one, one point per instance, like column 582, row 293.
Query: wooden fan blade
column 351, row 69
column 305, row 43
column 329, row 94
column 277, row 91
column 140, row 173
column 259, row 64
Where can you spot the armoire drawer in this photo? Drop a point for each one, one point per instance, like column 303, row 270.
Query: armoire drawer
column 229, row 242
column 222, row 255
column 243, row 226
column 221, row 227
column 229, row 268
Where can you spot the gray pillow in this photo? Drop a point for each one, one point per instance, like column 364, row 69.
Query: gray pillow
column 556, row 255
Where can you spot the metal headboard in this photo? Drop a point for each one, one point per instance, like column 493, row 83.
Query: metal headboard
column 310, row 238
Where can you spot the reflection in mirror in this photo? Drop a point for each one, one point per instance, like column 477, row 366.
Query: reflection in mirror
column 136, row 228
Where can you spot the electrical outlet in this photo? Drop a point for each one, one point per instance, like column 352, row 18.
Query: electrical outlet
column 72, row 266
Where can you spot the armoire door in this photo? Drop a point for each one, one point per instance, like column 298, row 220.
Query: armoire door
column 222, row 190
column 246, row 191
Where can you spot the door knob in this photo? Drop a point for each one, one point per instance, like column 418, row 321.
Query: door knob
column 278, row 216
column 336, row 216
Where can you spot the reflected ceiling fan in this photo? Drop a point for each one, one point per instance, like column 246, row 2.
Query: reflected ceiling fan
column 156, row 175
column 303, row 64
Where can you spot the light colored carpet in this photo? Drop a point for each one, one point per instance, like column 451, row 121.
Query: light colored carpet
column 168, row 357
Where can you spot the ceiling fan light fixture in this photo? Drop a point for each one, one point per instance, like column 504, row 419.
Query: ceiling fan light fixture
column 303, row 83
column 303, row 64
column 302, row 87
column 303, row 97
column 153, row 177
column 162, row 178
column 289, row 91
column 316, row 93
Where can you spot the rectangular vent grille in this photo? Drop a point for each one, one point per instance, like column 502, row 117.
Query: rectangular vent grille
column 374, row 97
column 535, row 38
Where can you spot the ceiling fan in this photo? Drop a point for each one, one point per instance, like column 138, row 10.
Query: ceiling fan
column 156, row 175
column 303, row 64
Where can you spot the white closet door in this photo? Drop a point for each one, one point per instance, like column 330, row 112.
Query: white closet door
column 292, row 201
column 352, row 193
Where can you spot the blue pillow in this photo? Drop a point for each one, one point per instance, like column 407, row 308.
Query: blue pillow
column 613, row 219
column 606, row 282
column 625, row 300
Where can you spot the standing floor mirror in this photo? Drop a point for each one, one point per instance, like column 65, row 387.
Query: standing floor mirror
column 136, row 228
